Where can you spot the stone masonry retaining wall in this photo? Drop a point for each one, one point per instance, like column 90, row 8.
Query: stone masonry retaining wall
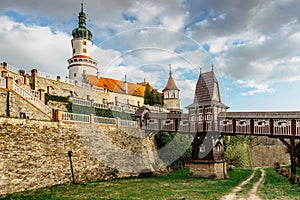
column 18, row 105
column 266, row 151
column 34, row 153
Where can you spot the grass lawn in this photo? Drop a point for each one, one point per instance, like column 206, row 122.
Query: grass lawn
column 175, row 185
column 276, row 186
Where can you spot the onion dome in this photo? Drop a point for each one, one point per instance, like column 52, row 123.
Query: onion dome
column 82, row 31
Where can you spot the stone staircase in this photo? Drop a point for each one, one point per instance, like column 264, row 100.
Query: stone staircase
column 32, row 99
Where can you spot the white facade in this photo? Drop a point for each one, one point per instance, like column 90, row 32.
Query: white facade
column 81, row 63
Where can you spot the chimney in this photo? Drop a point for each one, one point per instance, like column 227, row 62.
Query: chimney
column 34, row 72
column 125, row 85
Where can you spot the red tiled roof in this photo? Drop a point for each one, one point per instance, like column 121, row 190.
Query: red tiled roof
column 117, row 86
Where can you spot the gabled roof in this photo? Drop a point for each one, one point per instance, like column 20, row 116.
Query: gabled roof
column 170, row 84
column 117, row 86
column 207, row 91
column 207, row 88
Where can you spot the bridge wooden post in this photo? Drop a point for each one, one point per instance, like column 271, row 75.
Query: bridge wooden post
column 293, row 156
column 291, row 149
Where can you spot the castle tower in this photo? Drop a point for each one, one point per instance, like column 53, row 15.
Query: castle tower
column 81, row 63
column 171, row 95
column 207, row 153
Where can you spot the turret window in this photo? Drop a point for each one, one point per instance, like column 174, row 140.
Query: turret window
column 84, row 50
column 74, row 74
column 74, row 50
column 84, row 42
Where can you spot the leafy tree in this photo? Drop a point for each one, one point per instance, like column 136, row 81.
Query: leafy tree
column 152, row 97
column 237, row 150
column 147, row 94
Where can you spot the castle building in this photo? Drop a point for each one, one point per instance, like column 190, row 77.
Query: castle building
column 81, row 63
column 171, row 95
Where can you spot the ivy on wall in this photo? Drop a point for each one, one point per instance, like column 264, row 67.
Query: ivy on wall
column 86, row 110
column 55, row 98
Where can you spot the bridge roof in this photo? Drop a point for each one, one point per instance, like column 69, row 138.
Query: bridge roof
column 261, row 115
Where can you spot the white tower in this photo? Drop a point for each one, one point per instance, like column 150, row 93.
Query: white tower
column 81, row 63
column 171, row 95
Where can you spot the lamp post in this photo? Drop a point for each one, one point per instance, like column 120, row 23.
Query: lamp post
column 70, row 153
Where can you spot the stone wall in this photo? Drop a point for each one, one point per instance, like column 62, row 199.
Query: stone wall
column 56, row 105
column 34, row 153
column 266, row 151
column 208, row 170
column 18, row 105
column 59, row 88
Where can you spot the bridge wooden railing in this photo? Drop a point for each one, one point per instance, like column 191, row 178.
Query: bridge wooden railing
column 272, row 124
column 260, row 123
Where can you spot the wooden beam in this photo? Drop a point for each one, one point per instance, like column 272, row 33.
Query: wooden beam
column 286, row 144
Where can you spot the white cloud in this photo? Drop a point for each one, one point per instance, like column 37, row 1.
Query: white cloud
column 268, row 31
column 30, row 47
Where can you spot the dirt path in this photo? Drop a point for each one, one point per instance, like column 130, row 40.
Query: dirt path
column 252, row 193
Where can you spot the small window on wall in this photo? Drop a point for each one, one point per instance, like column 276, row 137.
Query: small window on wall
column 84, row 50
column 201, row 148
column 74, row 50
column 84, row 42
column 74, row 74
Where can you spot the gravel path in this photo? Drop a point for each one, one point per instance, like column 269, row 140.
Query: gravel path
column 252, row 193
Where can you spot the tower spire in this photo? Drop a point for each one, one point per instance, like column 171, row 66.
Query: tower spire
column 82, row 31
column 170, row 69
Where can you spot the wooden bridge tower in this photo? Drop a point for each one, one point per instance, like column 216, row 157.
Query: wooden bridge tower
column 208, row 153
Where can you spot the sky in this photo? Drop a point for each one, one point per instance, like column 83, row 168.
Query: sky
column 254, row 46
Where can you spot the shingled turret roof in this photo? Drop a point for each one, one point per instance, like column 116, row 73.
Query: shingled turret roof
column 171, row 83
column 207, row 90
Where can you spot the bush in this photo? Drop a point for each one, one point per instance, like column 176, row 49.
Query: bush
column 55, row 98
column 238, row 155
column 87, row 110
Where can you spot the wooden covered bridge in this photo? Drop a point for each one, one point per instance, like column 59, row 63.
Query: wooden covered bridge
column 207, row 120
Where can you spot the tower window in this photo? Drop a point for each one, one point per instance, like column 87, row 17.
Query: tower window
column 84, row 42
column 201, row 148
column 74, row 50
column 84, row 50
column 74, row 74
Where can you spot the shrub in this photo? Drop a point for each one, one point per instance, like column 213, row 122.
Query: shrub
column 55, row 98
